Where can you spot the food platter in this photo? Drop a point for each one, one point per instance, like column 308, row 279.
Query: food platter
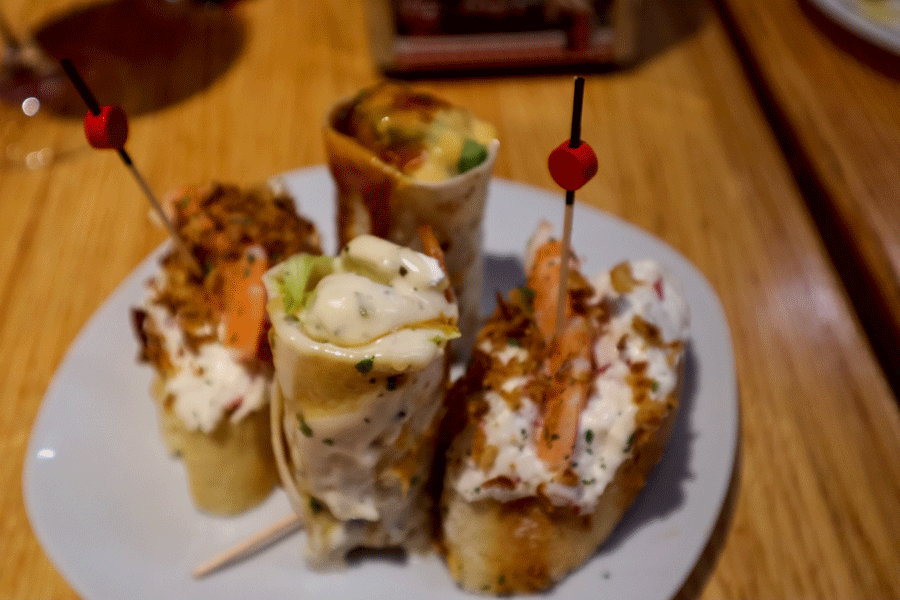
column 877, row 21
column 112, row 509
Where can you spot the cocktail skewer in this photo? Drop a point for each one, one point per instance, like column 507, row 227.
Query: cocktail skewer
column 250, row 546
column 572, row 164
column 106, row 127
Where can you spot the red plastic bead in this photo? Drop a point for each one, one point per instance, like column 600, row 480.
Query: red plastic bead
column 571, row 168
column 109, row 129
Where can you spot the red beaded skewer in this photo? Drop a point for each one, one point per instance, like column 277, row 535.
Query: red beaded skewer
column 572, row 164
column 106, row 128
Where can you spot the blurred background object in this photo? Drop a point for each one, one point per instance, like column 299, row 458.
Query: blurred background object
column 422, row 36
column 113, row 44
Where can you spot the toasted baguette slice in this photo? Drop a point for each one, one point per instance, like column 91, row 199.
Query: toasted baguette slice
column 528, row 545
column 230, row 469
column 559, row 427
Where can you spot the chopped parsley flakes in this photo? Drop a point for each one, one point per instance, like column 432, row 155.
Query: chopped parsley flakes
column 365, row 365
column 305, row 429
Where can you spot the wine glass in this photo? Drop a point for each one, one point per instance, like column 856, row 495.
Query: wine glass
column 113, row 44
column 30, row 82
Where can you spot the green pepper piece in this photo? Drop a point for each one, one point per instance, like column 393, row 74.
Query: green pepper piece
column 473, row 154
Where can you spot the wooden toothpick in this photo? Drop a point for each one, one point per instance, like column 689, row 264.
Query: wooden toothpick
column 250, row 546
column 106, row 127
column 572, row 164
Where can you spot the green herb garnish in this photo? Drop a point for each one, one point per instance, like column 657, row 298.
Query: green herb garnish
column 527, row 294
column 365, row 365
column 305, row 429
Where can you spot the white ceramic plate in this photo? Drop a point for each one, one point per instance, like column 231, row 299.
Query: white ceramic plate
column 112, row 509
column 877, row 21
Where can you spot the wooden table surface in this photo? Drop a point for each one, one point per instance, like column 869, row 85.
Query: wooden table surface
column 686, row 153
column 834, row 98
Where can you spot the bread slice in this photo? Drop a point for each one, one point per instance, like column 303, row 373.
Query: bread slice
column 204, row 336
column 528, row 545
column 522, row 506
column 229, row 469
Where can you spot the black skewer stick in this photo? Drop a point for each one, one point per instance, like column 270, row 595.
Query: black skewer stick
column 93, row 106
column 574, row 142
column 83, row 90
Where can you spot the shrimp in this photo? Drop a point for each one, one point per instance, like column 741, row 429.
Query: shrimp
column 570, row 361
column 244, row 301
column 431, row 247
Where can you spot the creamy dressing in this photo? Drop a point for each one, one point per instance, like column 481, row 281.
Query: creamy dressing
column 340, row 455
column 376, row 288
column 207, row 384
column 607, row 424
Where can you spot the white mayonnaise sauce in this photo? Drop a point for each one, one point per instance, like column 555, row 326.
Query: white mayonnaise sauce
column 377, row 287
column 208, row 383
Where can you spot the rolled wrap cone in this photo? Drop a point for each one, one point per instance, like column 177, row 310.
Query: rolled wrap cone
column 355, row 449
column 377, row 198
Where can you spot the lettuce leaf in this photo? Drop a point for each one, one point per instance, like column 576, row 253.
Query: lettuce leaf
column 299, row 278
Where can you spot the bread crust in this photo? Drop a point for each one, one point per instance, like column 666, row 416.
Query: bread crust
column 230, row 469
column 528, row 545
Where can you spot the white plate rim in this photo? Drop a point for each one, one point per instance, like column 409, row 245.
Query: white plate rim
column 677, row 534
column 883, row 36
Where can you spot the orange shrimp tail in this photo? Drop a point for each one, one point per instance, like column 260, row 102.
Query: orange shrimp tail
column 431, row 247
column 544, row 280
column 245, row 301
column 569, row 364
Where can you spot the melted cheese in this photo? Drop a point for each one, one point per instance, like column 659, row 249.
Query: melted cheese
column 445, row 138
